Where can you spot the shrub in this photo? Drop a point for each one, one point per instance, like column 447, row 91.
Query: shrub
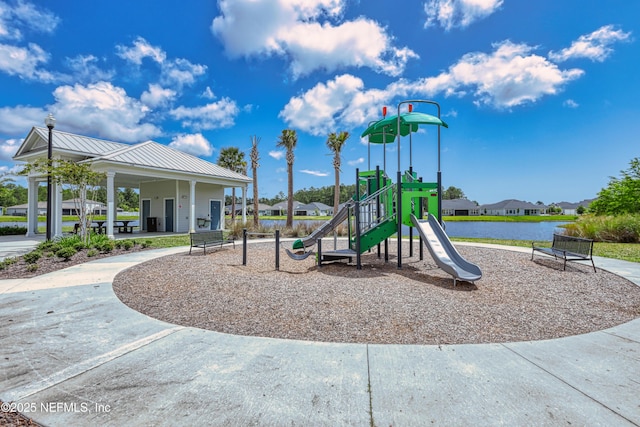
column 127, row 244
column 66, row 253
column 147, row 243
column 615, row 229
column 118, row 244
column 92, row 252
column 32, row 267
column 12, row 231
column 105, row 246
column 32, row 257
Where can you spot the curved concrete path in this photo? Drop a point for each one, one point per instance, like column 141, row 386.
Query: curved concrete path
column 72, row 354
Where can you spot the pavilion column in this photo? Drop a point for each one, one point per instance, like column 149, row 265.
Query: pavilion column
column 57, row 210
column 244, row 205
column 111, row 204
column 32, row 207
column 192, row 206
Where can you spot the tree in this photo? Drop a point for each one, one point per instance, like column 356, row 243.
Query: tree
column 255, row 157
column 335, row 142
column 622, row 195
column 288, row 140
column 80, row 179
column 233, row 159
column 452, row 193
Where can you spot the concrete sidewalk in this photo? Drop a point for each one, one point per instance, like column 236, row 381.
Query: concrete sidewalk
column 73, row 354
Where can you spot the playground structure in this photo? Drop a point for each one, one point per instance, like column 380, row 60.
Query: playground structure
column 381, row 206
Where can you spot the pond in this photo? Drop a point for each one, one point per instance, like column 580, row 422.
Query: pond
column 493, row 230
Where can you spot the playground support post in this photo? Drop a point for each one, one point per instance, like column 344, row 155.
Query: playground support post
column 378, row 201
column 412, row 210
column 399, row 214
column 277, row 250
column 244, row 246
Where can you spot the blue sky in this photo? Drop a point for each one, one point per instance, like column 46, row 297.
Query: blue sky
column 541, row 97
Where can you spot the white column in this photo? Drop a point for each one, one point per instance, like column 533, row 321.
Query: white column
column 32, row 207
column 111, row 204
column 192, row 207
column 57, row 210
column 244, row 205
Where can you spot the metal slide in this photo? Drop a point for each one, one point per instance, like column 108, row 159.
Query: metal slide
column 325, row 228
column 443, row 252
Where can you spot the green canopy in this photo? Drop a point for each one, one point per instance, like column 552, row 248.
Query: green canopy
column 409, row 122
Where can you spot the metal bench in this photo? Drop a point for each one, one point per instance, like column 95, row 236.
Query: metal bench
column 569, row 249
column 204, row 239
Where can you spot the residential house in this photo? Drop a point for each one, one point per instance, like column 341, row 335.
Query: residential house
column 512, row 207
column 569, row 208
column 459, row 207
column 314, row 209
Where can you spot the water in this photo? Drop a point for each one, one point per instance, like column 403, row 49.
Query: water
column 493, row 230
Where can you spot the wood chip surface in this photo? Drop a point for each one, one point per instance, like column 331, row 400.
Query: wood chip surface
column 516, row 300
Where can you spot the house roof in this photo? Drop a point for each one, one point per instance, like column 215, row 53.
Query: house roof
column 314, row 206
column 512, row 204
column 460, row 204
column 152, row 154
column 146, row 155
column 569, row 205
column 283, row 205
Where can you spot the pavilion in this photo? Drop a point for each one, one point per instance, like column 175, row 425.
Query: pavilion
column 178, row 192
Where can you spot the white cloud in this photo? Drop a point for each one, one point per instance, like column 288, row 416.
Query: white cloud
column 157, row 96
column 595, row 46
column 510, row 76
column 314, row 173
column 277, row 154
column 103, row 109
column 181, row 72
column 25, row 15
column 358, row 161
column 25, row 61
column 215, row 115
column 8, row 148
column 304, row 31
column 318, row 110
column 140, row 50
column 17, row 120
column 208, row 93
column 195, row 144
column 570, row 103
column 458, row 13
column 85, row 69
column 177, row 72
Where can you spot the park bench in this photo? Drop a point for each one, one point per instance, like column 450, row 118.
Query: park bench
column 204, row 239
column 569, row 249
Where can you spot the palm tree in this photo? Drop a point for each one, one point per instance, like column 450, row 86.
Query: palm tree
column 288, row 140
column 233, row 159
column 335, row 142
column 255, row 156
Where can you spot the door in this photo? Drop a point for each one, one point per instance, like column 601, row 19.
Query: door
column 168, row 215
column 146, row 211
column 215, row 213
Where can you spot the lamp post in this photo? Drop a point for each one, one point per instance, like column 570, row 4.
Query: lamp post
column 50, row 121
